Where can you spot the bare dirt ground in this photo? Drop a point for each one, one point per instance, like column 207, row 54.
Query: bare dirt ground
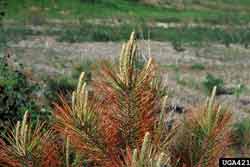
column 43, row 56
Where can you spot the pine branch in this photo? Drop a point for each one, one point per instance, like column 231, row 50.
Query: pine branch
column 28, row 146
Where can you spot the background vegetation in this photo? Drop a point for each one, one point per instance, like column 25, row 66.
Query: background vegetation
column 111, row 20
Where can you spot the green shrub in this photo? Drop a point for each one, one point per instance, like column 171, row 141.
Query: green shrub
column 87, row 1
column 178, row 45
column 198, row 66
column 63, row 85
column 239, row 89
column 15, row 96
column 3, row 6
column 210, row 82
column 242, row 135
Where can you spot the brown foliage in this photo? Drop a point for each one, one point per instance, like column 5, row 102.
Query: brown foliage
column 30, row 147
column 121, row 124
column 204, row 137
column 123, row 109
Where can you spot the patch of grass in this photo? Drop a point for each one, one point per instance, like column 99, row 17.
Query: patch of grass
column 210, row 82
column 86, row 65
column 93, row 32
column 197, row 66
column 236, row 2
column 197, row 35
column 174, row 67
column 90, row 32
column 3, row 5
column 64, row 85
column 35, row 17
column 214, row 5
column 241, row 135
column 191, row 83
column 239, row 90
column 177, row 77
column 188, row 35
column 18, row 33
column 102, row 9
column 178, row 45
column 15, row 34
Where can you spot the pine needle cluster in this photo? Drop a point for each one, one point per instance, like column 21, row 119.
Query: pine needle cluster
column 121, row 123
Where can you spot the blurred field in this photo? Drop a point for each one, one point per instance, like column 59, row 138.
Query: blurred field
column 189, row 38
column 215, row 11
